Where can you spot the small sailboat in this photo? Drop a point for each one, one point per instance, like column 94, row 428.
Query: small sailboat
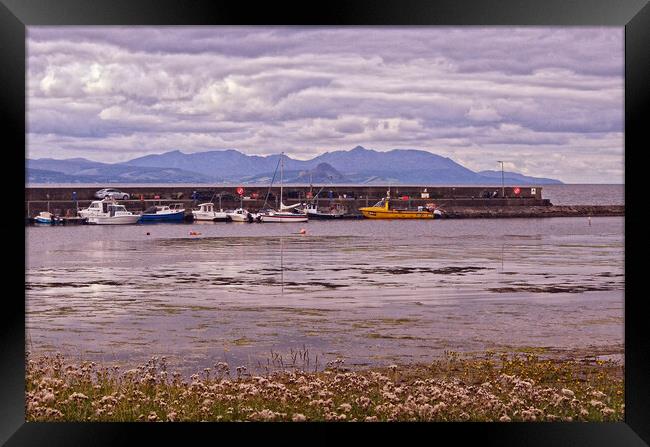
column 113, row 214
column 206, row 211
column 286, row 213
column 164, row 213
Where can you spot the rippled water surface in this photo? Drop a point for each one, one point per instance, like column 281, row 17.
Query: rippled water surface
column 370, row 292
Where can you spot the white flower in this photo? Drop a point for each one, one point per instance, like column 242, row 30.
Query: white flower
column 298, row 417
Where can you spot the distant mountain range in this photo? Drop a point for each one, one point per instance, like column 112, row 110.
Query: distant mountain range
column 356, row 166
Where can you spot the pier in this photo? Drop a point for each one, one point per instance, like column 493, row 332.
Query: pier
column 456, row 201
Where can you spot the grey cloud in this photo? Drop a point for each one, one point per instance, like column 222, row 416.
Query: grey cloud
column 475, row 93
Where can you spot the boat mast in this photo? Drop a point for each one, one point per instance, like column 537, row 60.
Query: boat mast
column 281, row 176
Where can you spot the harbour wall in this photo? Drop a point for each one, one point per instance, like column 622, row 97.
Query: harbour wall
column 60, row 199
column 456, row 201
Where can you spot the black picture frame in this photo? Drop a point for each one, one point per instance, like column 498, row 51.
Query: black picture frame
column 634, row 15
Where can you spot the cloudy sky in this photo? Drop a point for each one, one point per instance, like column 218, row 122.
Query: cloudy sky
column 549, row 101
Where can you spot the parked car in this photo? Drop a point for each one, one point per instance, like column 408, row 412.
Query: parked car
column 111, row 192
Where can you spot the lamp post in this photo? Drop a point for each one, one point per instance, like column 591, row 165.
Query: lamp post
column 503, row 188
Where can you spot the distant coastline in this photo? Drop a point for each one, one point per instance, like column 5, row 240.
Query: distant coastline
column 357, row 166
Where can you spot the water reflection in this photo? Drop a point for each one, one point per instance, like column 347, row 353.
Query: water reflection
column 372, row 293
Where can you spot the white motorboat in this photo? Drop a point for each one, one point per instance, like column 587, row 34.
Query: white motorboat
column 206, row 212
column 241, row 215
column 286, row 213
column 113, row 214
column 96, row 208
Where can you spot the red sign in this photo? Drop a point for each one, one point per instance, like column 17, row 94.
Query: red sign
column 405, row 197
column 309, row 194
column 516, row 191
column 240, row 191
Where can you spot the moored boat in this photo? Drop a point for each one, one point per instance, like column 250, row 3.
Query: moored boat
column 207, row 212
column 241, row 215
column 335, row 212
column 113, row 214
column 286, row 213
column 281, row 216
column 95, row 208
column 45, row 217
column 163, row 213
column 383, row 210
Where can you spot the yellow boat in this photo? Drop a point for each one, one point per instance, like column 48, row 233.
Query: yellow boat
column 382, row 210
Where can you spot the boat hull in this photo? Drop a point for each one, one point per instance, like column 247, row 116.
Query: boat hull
column 114, row 220
column 211, row 217
column 235, row 217
column 382, row 213
column 282, row 218
column 324, row 216
column 43, row 220
column 169, row 217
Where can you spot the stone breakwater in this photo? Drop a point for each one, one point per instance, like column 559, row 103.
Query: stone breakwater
column 463, row 212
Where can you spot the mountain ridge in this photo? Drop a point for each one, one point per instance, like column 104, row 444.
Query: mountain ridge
column 357, row 165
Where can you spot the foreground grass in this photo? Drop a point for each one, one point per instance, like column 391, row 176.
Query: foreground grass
column 504, row 388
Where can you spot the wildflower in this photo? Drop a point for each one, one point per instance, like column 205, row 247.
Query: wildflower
column 152, row 417
column 371, row 419
column 298, row 417
column 568, row 392
column 504, row 418
column 607, row 411
column 171, row 417
column 78, row 396
column 598, row 394
column 48, row 397
column 345, row 407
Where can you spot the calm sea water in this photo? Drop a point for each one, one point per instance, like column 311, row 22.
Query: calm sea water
column 584, row 194
column 371, row 292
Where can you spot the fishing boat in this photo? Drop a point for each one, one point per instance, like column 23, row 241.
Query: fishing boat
column 286, row 213
column 206, row 212
column 163, row 213
column 383, row 210
column 113, row 214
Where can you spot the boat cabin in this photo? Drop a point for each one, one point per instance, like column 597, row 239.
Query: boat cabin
column 114, row 209
column 206, row 207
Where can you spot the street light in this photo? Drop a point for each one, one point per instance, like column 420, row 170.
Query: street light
column 503, row 188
